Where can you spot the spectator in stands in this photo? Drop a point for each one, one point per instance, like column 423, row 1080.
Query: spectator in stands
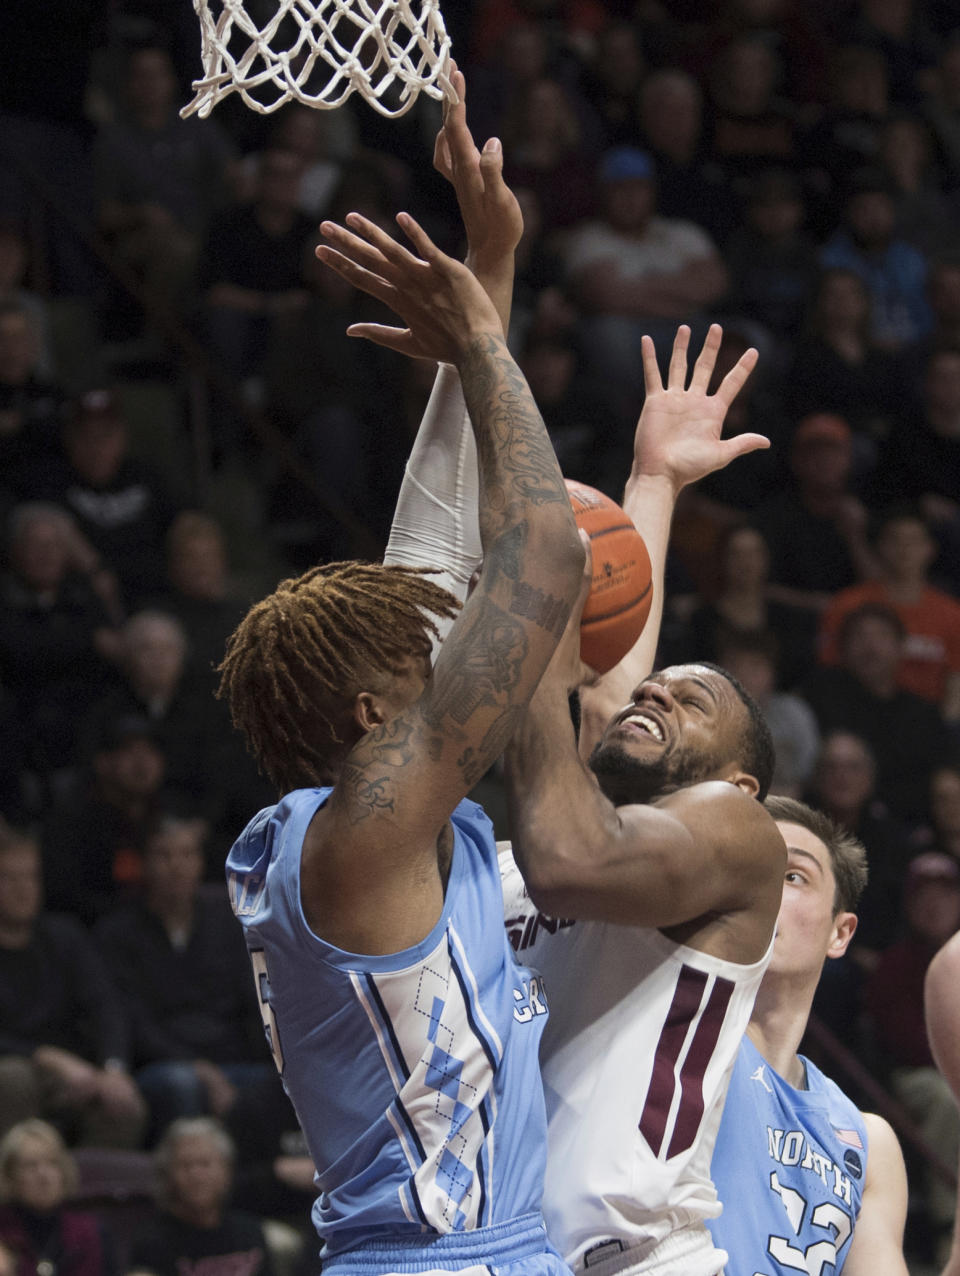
column 633, row 272
column 546, row 150
column 54, row 621
column 894, row 271
column 194, row 1226
column 925, row 217
column 839, row 369
column 942, row 832
column 29, row 402
column 931, row 908
column 943, row 289
column 15, row 266
column 93, row 839
column 585, row 437
column 252, row 265
column 37, row 1176
column 752, row 127
column 120, row 504
column 930, row 666
column 689, row 186
column 179, row 961
column 817, row 528
column 847, row 137
column 907, row 734
column 943, row 107
column 752, row 658
column 844, row 786
column 898, row 30
column 63, row 1040
column 159, row 178
column 152, row 657
column 771, row 259
column 613, row 89
column 741, row 607
column 324, row 141
column 199, row 591
column 921, row 461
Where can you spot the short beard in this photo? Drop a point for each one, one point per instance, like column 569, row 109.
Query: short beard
column 626, row 781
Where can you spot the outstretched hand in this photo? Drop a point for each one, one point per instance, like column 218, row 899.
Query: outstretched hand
column 443, row 306
column 490, row 212
column 678, row 434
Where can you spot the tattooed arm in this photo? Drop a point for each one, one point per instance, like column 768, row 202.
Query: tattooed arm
column 376, row 881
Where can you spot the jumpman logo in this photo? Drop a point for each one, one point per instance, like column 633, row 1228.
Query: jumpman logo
column 758, row 1076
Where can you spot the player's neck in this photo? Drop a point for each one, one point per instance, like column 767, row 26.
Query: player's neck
column 778, row 1023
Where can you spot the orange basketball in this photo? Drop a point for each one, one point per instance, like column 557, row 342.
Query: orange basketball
column 621, row 592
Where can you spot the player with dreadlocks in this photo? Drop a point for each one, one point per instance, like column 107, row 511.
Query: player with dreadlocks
column 406, row 1033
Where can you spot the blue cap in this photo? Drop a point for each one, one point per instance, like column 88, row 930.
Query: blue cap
column 626, row 163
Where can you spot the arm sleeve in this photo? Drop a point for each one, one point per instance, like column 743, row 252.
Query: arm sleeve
column 436, row 521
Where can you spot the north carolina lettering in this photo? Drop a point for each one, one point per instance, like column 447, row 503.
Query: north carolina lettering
column 790, row 1147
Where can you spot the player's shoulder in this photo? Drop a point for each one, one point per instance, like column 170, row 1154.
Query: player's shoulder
column 726, row 813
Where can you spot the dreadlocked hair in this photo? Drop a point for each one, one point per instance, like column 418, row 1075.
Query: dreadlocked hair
column 297, row 661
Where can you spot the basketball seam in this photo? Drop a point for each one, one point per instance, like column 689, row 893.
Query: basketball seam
column 607, row 531
column 609, row 615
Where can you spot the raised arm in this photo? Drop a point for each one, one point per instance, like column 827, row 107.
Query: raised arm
column 877, row 1245
column 435, row 523
column 402, row 781
column 677, row 441
column 942, row 1008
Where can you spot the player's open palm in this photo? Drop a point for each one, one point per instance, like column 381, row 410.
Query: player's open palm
column 679, row 432
column 443, row 306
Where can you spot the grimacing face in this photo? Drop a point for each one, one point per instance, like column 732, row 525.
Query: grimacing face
column 683, row 725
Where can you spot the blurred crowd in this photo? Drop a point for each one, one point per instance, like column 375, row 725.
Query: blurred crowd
column 183, row 421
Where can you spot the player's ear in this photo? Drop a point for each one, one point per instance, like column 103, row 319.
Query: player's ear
column 844, row 925
column 368, row 711
column 745, row 783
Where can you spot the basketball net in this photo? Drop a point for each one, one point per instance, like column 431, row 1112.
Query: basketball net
column 320, row 51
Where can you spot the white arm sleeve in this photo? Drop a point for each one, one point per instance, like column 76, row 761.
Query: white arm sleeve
column 436, row 523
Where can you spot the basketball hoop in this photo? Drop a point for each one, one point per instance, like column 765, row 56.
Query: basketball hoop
column 320, row 51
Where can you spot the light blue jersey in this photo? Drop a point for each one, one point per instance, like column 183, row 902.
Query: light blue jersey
column 414, row 1076
column 789, row 1166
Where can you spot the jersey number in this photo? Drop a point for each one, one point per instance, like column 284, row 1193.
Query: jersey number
column 819, row 1254
column 673, row 1108
column 262, row 981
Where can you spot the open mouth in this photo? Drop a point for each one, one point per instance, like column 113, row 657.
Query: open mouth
column 644, row 724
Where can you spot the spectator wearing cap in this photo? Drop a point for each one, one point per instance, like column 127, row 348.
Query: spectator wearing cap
column 121, row 506
column 632, row 272
column 817, row 528
column 906, row 734
column 178, row 958
column 894, row 272
column 93, row 839
column 63, row 1040
column 894, row 999
column 54, row 620
column 930, row 667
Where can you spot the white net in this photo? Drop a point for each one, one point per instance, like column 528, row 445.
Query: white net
column 320, row 51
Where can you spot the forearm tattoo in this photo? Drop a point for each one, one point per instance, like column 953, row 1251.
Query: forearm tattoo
column 516, row 460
